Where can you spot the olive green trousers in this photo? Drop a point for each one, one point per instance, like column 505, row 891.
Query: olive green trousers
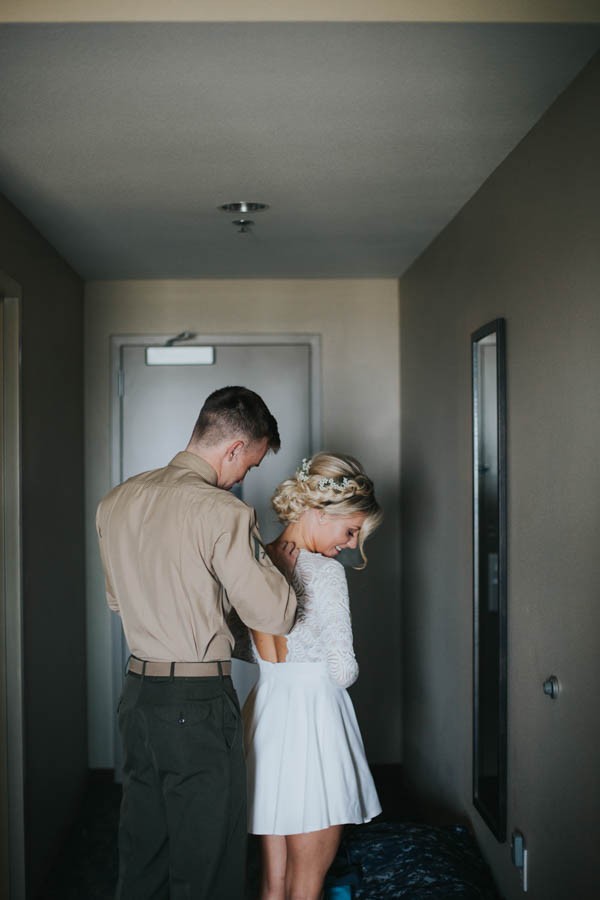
column 182, row 831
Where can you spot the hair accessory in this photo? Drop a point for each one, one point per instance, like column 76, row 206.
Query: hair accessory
column 303, row 474
column 304, row 469
column 336, row 485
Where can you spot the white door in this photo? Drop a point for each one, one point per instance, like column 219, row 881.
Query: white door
column 158, row 405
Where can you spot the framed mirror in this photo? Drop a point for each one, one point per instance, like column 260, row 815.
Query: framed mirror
column 488, row 347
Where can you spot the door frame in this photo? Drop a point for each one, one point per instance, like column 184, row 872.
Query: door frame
column 12, row 776
column 117, row 343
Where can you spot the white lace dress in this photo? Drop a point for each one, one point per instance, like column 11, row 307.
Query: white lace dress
column 305, row 757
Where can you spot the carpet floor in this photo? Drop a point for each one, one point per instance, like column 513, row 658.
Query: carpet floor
column 86, row 869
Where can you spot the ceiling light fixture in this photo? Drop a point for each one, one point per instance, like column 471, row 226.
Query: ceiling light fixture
column 244, row 225
column 243, row 206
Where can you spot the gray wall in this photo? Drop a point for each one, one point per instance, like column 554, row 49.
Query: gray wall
column 53, row 536
column 526, row 247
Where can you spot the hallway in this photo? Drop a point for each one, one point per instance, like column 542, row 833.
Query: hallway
column 426, row 173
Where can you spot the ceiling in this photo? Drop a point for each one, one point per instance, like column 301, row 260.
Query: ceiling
column 120, row 140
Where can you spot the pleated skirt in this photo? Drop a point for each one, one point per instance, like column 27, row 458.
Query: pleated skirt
column 305, row 758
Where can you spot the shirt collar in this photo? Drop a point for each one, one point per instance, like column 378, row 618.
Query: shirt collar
column 187, row 460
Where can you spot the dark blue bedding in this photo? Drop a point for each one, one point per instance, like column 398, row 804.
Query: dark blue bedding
column 420, row 862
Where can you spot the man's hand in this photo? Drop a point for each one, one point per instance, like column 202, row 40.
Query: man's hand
column 284, row 555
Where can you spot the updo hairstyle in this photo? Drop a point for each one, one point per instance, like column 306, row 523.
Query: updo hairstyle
column 335, row 483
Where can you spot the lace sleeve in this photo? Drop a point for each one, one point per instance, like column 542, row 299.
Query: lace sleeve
column 336, row 631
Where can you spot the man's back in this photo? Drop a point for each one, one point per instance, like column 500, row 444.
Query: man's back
column 178, row 551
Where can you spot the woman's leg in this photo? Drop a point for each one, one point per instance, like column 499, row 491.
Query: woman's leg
column 273, row 858
column 308, row 859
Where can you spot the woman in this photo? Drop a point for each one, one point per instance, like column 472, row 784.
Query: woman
column 307, row 771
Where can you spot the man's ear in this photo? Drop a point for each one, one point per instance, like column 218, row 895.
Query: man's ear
column 234, row 449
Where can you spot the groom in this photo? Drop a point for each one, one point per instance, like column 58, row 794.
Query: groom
column 179, row 551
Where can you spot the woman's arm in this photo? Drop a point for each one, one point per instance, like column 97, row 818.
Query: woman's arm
column 336, row 629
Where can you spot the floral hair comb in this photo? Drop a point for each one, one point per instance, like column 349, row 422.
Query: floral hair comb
column 303, row 474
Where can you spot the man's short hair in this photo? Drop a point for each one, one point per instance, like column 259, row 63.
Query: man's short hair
column 235, row 411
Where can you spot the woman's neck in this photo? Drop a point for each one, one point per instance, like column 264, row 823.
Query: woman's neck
column 296, row 533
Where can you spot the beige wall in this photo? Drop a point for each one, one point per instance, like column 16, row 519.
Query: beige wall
column 358, row 322
column 526, row 248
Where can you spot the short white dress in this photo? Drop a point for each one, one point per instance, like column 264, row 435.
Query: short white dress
column 305, row 757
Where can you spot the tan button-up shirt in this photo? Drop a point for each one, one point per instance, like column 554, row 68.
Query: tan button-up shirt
column 178, row 552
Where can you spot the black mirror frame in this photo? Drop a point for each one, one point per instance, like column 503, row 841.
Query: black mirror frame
column 493, row 814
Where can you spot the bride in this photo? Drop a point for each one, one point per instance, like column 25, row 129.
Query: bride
column 307, row 770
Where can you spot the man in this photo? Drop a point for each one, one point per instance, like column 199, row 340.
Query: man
column 179, row 551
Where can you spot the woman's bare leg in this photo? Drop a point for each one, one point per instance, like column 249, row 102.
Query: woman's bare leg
column 273, row 857
column 308, row 859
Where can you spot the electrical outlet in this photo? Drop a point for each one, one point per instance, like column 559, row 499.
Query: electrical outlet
column 518, row 853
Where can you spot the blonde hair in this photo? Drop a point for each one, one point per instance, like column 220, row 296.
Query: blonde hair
column 335, row 483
